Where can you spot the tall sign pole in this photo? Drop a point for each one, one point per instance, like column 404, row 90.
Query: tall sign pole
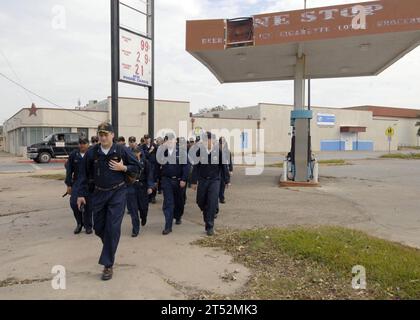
column 151, row 34
column 115, row 53
column 132, row 52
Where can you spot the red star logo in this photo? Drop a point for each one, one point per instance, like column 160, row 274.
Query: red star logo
column 33, row 110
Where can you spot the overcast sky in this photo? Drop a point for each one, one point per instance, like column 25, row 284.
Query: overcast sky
column 64, row 65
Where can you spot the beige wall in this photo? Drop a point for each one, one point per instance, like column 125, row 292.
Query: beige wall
column 1, row 139
column 56, row 118
column 377, row 131
column 407, row 132
column 375, row 128
column 170, row 115
column 134, row 114
column 233, row 128
column 274, row 120
column 49, row 118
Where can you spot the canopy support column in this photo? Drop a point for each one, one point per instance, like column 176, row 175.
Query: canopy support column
column 301, row 118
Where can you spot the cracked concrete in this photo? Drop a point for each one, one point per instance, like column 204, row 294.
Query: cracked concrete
column 376, row 196
column 34, row 239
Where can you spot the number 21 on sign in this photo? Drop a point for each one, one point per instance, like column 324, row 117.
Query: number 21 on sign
column 144, row 47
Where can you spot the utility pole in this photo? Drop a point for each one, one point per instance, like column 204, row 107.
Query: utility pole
column 115, row 53
column 151, row 34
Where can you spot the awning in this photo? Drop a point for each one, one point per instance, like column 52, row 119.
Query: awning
column 264, row 47
column 352, row 129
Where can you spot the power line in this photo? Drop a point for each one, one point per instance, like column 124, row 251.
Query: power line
column 15, row 74
column 45, row 99
column 54, row 104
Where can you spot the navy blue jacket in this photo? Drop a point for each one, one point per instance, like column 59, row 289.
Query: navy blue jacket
column 179, row 169
column 145, row 174
column 230, row 165
column 73, row 166
column 150, row 155
column 210, row 166
column 95, row 166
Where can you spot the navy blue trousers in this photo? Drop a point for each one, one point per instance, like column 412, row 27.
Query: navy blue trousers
column 222, row 189
column 137, row 201
column 108, row 213
column 155, row 169
column 81, row 219
column 208, row 200
column 173, row 201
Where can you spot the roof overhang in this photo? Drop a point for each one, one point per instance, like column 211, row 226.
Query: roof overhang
column 352, row 129
column 325, row 35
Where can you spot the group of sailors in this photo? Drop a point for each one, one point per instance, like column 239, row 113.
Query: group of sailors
column 105, row 177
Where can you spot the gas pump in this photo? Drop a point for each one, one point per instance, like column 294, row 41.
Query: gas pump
column 290, row 162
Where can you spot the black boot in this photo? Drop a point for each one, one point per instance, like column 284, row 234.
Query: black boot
column 107, row 274
column 78, row 229
column 143, row 221
column 166, row 232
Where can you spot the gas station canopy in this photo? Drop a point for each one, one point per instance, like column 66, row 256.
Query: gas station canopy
column 265, row 47
column 352, row 40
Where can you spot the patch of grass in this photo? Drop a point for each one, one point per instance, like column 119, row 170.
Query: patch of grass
column 405, row 156
column 409, row 148
column 317, row 263
column 276, row 165
column 56, row 176
column 334, row 162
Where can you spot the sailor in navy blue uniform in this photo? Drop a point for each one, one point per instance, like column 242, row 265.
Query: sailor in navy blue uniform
column 225, row 149
column 209, row 166
column 108, row 165
column 73, row 166
column 138, row 193
column 149, row 149
column 174, row 168
column 132, row 143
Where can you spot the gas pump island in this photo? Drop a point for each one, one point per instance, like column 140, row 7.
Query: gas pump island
column 352, row 40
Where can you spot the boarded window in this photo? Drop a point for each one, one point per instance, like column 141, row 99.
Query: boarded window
column 240, row 32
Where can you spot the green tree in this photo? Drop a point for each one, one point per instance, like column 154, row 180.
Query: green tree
column 213, row 109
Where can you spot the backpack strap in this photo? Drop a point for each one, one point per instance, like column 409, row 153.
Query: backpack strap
column 96, row 152
column 119, row 150
column 129, row 177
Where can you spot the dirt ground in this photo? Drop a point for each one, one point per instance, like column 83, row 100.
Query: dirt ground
column 36, row 224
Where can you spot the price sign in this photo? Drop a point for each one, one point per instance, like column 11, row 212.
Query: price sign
column 135, row 58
